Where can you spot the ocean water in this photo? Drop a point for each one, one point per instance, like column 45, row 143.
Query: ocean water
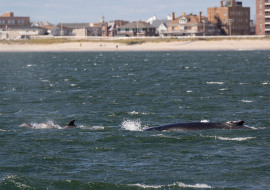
column 113, row 96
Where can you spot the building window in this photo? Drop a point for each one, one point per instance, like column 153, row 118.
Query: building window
column 224, row 13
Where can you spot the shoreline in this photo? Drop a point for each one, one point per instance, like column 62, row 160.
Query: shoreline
column 197, row 45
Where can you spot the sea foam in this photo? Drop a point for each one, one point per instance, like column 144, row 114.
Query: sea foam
column 176, row 184
column 219, row 83
column 230, row 139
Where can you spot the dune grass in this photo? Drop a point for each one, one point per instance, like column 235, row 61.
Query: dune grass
column 127, row 41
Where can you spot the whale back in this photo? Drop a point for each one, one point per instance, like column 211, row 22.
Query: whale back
column 199, row 126
column 239, row 123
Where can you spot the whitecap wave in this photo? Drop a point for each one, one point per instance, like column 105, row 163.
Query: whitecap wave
column 265, row 83
column 132, row 125
column 235, row 139
column 204, row 121
column 247, row 101
column 134, row 113
column 97, row 128
column 147, row 186
column 48, row 125
column 220, row 83
column 91, row 127
column 16, row 180
column 223, row 89
column 30, row 65
column 137, row 113
column 230, row 139
column 176, row 184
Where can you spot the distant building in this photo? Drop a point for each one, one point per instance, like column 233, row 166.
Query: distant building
column 14, row 27
column 263, row 17
column 111, row 28
column 95, row 29
column 73, row 29
column 8, row 20
column 51, row 28
column 3, row 35
column 24, row 32
column 189, row 25
column 160, row 25
column 252, row 27
column 137, row 29
column 231, row 18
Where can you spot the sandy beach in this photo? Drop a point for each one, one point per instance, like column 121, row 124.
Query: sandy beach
column 197, row 45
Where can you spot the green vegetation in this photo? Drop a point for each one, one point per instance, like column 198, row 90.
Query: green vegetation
column 127, row 41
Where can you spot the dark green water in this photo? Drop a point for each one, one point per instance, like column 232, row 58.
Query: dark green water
column 113, row 96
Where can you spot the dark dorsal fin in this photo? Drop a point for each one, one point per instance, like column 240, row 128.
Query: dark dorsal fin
column 71, row 123
column 239, row 122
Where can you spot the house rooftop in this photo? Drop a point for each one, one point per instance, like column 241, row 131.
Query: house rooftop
column 74, row 25
column 137, row 25
column 8, row 14
column 191, row 19
column 157, row 23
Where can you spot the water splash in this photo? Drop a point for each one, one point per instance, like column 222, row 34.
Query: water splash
column 137, row 113
column 132, row 125
column 94, row 128
column 48, row 125
column 204, row 121
column 176, row 184
column 246, row 101
column 230, row 139
column 235, row 139
column 219, row 83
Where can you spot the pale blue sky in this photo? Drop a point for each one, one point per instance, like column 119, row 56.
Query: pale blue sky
column 57, row 11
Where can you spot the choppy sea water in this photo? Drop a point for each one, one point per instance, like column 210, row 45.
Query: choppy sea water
column 114, row 96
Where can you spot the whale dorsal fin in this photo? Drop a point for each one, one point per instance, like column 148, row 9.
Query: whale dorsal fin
column 71, row 123
column 241, row 123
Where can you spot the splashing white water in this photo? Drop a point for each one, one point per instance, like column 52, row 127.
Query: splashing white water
column 132, row 125
column 137, row 113
column 235, row 139
column 48, row 125
column 219, row 83
column 204, row 121
column 176, row 184
column 94, row 128
column 246, row 101
column 231, row 139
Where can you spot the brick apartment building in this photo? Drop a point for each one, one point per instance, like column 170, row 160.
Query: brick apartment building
column 263, row 17
column 8, row 20
column 231, row 17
